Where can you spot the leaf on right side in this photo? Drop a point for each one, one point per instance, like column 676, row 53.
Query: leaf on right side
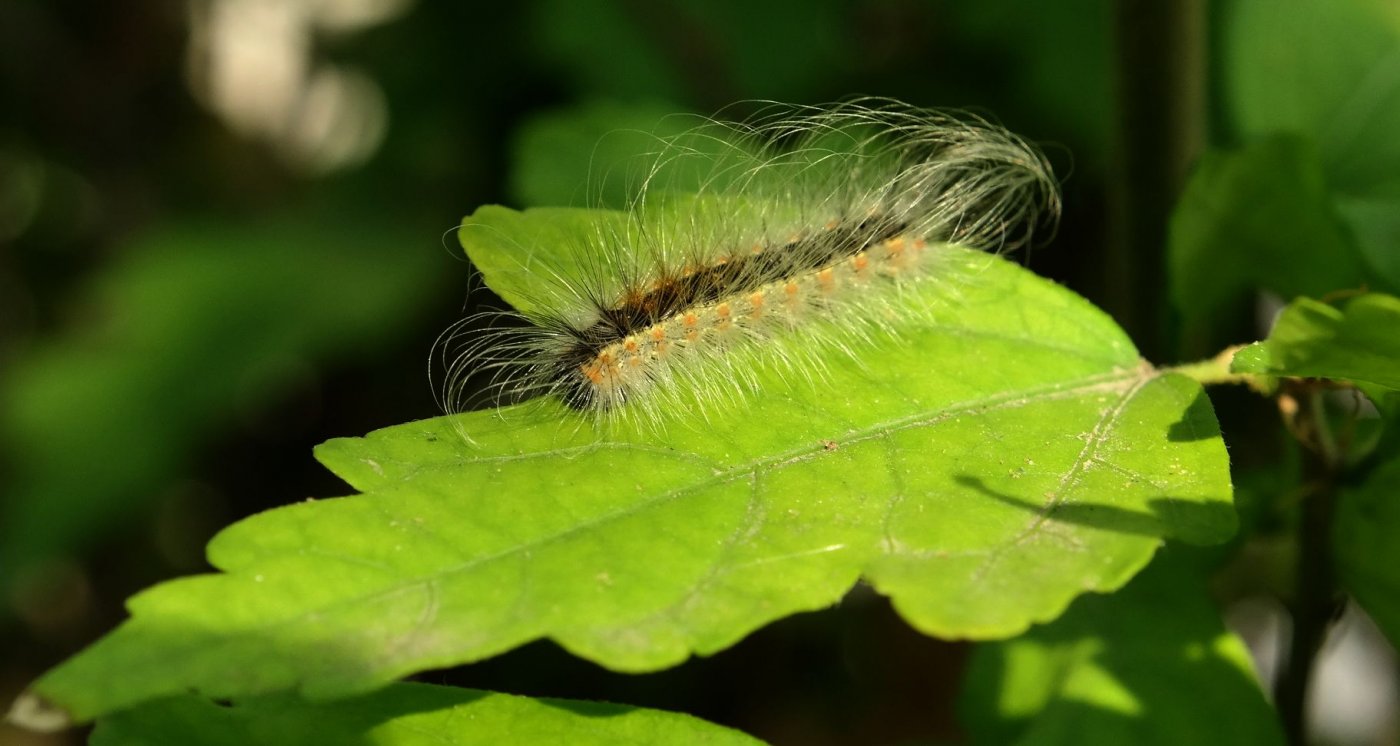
column 1354, row 341
column 1357, row 342
column 1367, row 555
column 1257, row 217
column 1151, row 664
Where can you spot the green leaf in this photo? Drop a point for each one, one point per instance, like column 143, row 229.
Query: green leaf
column 1355, row 342
column 201, row 320
column 588, row 156
column 406, row 715
column 600, row 155
column 1368, row 557
column 536, row 244
column 982, row 472
column 714, row 51
column 1151, row 664
column 1330, row 72
column 1258, row 217
column 531, row 251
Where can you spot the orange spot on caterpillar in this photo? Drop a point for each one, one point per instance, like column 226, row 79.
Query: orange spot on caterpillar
column 722, row 313
column 860, row 261
column 592, row 372
column 690, row 319
column 826, row 279
column 831, row 224
column 630, row 344
column 791, row 289
column 607, row 364
column 756, row 303
column 894, row 253
column 658, row 334
column 692, row 335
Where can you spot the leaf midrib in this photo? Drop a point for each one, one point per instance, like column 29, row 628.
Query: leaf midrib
column 1063, row 390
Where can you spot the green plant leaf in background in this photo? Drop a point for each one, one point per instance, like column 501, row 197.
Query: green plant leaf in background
column 1034, row 459
column 1257, row 217
column 596, row 144
column 1151, row 664
column 611, row 149
column 1326, row 70
column 1367, row 555
column 707, row 51
column 1357, row 341
column 407, row 715
column 200, row 321
column 1330, row 72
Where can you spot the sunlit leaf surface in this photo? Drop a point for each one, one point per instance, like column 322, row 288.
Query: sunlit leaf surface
column 982, row 471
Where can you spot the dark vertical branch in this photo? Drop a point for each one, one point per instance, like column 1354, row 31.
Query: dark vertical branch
column 1159, row 84
column 1316, row 601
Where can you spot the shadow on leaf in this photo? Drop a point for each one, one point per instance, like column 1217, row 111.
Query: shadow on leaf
column 1176, row 518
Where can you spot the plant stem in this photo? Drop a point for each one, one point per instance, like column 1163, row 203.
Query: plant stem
column 1315, row 602
column 1216, row 370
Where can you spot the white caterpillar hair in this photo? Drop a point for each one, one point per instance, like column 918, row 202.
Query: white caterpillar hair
column 769, row 245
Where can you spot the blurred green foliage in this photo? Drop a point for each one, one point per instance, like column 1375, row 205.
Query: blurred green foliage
column 1259, row 216
column 197, row 325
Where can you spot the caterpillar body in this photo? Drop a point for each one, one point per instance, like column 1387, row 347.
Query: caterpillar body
column 757, row 252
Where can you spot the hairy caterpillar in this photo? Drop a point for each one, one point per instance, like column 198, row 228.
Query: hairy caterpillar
column 769, row 245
